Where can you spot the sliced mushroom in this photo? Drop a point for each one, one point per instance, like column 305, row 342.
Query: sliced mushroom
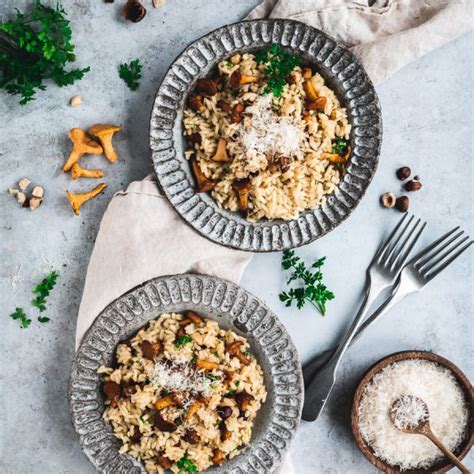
column 218, row 457
column 224, row 106
column 225, row 433
column 208, row 86
column 317, row 104
column 191, row 436
column 150, row 350
column 309, row 89
column 206, row 364
column 203, row 184
column 221, row 154
column 196, row 103
column 234, row 350
column 165, row 402
column 242, row 186
column 112, row 390
column 243, row 400
column 237, row 79
column 224, row 412
column 164, row 462
column 236, row 114
column 193, row 409
column 163, row 425
column 307, row 73
column 194, row 317
column 129, row 389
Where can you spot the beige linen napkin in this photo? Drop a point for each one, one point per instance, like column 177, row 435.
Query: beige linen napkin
column 142, row 237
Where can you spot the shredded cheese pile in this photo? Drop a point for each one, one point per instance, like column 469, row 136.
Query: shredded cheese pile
column 448, row 412
column 269, row 134
column 180, row 375
column 409, row 412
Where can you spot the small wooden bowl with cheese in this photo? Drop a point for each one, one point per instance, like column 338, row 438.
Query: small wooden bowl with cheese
column 464, row 392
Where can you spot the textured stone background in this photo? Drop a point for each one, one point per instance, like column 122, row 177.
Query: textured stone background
column 428, row 122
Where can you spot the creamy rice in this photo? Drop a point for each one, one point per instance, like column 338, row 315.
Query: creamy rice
column 311, row 171
column 184, row 392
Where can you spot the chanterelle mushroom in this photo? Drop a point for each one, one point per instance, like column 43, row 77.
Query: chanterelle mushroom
column 78, row 172
column 238, row 79
column 82, row 144
column 203, row 184
column 242, row 186
column 104, row 132
column 221, row 154
column 77, row 200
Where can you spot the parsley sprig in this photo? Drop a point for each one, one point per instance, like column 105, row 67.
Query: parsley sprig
column 182, row 341
column 186, row 465
column 313, row 291
column 36, row 47
column 42, row 291
column 131, row 73
column 340, row 146
column 21, row 317
column 278, row 66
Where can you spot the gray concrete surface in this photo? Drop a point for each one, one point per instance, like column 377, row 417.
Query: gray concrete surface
column 428, row 125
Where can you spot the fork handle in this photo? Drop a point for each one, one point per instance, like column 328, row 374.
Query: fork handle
column 319, row 389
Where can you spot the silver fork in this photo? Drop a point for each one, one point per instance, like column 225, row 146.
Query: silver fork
column 382, row 273
column 418, row 272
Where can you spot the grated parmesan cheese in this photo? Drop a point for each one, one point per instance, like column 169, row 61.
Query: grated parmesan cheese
column 268, row 134
column 447, row 408
column 180, row 375
column 408, row 412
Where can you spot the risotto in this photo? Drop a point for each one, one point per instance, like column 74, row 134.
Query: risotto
column 183, row 394
column 267, row 146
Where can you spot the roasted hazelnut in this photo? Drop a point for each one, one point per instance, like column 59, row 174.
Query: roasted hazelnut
column 149, row 350
column 134, row 11
column 402, row 203
column 403, row 173
column 208, row 86
column 388, row 200
column 164, row 462
column 163, row 425
column 196, row 103
column 412, row 186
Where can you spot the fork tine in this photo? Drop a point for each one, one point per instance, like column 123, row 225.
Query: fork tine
column 417, row 259
column 408, row 245
column 395, row 239
column 434, row 271
column 387, row 241
column 441, row 255
column 388, row 258
column 435, row 253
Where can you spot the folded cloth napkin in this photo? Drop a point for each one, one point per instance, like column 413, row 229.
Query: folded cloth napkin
column 142, row 237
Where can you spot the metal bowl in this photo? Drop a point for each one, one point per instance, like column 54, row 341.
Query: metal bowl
column 233, row 308
column 343, row 74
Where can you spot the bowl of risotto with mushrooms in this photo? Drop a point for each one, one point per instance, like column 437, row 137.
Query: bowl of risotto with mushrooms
column 184, row 393
column 265, row 134
column 186, row 373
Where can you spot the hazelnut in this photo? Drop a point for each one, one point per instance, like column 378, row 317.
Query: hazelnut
column 403, row 173
column 412, row 186
column 402, row 203
column 75, row 101
column 134, row 11
column 23, row 183
column 388, row 200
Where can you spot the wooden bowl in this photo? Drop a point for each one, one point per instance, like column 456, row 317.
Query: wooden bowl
column 443, row 465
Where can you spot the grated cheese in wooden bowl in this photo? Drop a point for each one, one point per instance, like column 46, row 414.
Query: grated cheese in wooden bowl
column 438, row 388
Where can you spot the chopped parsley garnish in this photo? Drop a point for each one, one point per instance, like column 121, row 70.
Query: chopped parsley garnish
column 278, row 66
column 231, row 392
column 131, row 74
column 313, row 291
column 186, row 465
column 35, row 47
column 339, row 147
column 42, row 290
column 213, row 377
column 43, row 319
column 237, row 383
column 21, row 317
column 182, row 341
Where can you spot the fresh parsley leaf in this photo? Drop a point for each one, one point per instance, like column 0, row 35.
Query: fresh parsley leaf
column 231, row 392
column 182, row 341
column 186, row 465
column 43, row 319
column 313, row 291
column 35, row 47
column 278, row 66
column 339, row 147
column 131, row 74
column 42, row 291
column 21, row 317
